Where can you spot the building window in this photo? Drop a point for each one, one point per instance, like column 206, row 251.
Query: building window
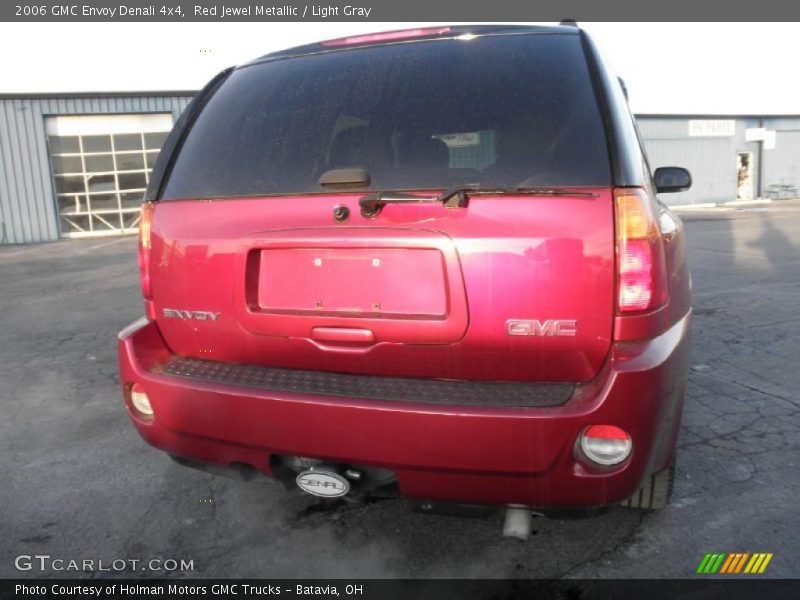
column 101, row 166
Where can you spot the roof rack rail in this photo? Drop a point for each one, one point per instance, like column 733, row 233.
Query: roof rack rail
column 569, row 23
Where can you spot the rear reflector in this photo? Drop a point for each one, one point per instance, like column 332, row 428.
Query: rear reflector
column 605, row 444
column 140, row 401
column 641, row 272
column 386, row 36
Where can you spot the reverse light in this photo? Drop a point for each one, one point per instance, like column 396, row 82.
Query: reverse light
column 641, row 272
column 386, row 36
column 606, row 445
column 636, row 275
column 140, row 401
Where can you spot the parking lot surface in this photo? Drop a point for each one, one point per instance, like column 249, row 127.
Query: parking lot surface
column 76, row 482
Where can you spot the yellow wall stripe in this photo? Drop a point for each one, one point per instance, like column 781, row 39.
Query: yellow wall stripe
column 758, row 563
column 765, row 563
column 751, row 564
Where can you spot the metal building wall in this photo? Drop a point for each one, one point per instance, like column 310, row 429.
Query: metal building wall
column 711, row 160
column 782, row 164
column 27, row 201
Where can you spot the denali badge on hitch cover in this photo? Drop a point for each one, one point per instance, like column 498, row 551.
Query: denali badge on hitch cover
column 323, row 483
column 551, row 327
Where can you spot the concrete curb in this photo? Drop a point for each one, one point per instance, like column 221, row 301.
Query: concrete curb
column 731, row 204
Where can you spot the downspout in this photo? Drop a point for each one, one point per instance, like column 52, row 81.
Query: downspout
column 760, row 159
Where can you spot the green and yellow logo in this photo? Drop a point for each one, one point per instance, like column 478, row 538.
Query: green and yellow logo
column 737, row 562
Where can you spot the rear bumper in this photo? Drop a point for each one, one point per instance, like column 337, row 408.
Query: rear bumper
column 475, row 454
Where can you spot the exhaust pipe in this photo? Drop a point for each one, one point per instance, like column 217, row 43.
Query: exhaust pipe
column 518, row 523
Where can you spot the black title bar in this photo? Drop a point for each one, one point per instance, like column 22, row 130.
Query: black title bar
column 423, row 589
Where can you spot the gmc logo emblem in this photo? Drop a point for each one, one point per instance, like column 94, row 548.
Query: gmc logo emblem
column 551, row 327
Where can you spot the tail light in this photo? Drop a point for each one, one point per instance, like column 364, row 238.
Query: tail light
column 641, row 270
column 145, row 223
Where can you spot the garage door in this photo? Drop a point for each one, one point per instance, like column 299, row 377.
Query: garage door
column 101, row 166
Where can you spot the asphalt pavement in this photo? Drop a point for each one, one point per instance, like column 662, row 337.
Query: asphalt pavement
column 77, row 483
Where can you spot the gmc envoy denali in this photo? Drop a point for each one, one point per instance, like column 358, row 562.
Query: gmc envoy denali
column 428, row 263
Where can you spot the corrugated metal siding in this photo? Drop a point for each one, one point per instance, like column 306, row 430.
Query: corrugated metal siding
column 27, row 201
column 782, row 163
column 711, row 160
column 782, row 123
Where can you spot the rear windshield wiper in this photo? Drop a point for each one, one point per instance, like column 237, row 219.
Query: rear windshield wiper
column 455, row 197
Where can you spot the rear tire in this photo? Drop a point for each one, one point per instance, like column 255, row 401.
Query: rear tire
column 656, row 491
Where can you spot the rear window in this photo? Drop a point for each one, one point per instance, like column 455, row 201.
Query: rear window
column 501, row 111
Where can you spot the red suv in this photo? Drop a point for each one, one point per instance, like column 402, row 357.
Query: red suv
column 428, row 262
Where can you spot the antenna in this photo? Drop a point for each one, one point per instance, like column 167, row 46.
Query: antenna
column 569, row 23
